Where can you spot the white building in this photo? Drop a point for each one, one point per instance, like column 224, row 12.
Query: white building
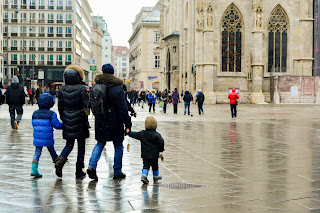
column 120, row 60
column 51, row 33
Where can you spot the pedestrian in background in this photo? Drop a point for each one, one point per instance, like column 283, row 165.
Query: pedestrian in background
column 187, row 98
column 165, row 100
column 31, row 96
column 152, row 97
column 131, row 96
column 143, row 97
column 73, row 100
column 200, row 100
column 233, row 96
column 175, row 101
column 43, row 121
column 152, row 144
column 15, row 97
column 2, row 97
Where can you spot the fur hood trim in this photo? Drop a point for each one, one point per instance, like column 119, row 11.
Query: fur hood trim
column 108, row 79
column 76, row 68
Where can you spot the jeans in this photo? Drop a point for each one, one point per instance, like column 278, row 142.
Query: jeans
column 175, row 108
column 233, row 110
column 187, row 104
column 12, row 110
column 118, row 153
column 132, row 101
column 81, row 149
column 153, row 105
column 200, row 107
column 38, row 151
column 54, row 98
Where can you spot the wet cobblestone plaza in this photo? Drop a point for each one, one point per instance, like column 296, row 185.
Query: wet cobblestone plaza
column 265, row 160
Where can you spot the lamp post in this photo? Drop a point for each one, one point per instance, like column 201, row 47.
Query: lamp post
column 23, row 49
column 30, row 29
column 7, row 71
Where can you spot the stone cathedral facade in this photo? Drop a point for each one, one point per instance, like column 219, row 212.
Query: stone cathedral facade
column 217, row 45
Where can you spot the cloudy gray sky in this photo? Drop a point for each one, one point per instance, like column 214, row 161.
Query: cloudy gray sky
column 119, row 14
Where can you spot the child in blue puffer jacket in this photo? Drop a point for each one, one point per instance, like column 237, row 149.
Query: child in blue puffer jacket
column 43, row 121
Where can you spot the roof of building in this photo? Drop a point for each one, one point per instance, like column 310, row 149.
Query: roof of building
column 174, row 33
column 154, row 15
column 119, row 50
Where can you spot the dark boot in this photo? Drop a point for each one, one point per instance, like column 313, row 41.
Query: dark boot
column 79, row 172
column 59, row 163
column 92, row 173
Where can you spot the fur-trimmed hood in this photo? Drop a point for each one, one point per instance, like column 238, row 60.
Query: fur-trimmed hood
column 78, row 69
column 108, row 79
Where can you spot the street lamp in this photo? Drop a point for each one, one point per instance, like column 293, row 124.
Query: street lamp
column 30, row 29
column 7, row 71
column 23, row 49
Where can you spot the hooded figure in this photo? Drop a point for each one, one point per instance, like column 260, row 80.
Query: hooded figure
column 200, row 100
column 175, row 100
column 233, row 96
column 112, row 128
column 73, row 99
column 15, row 99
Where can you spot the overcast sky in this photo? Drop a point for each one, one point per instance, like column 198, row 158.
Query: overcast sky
column 119, row 14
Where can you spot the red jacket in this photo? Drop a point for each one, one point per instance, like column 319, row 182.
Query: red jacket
column 233, row 97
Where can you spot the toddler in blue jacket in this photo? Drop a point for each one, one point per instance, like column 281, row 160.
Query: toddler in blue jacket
column 43, row 121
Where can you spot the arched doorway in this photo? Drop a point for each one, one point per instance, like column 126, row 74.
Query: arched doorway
column 168, row 70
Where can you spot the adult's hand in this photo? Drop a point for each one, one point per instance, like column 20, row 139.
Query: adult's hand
column 127, row 130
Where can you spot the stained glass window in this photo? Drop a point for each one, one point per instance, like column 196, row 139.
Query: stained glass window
column 231, row 40
column 278, row 28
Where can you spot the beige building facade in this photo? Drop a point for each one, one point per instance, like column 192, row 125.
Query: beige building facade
column 217, row 45
column 144, row 50
column 96, row 48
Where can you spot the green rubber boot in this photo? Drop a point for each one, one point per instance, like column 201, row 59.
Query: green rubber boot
column 34, row 170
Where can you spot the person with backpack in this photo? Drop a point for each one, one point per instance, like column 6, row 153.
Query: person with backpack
column 187, row 98
column 108, row 104
column 73, row 99
column 152, row 97
column 15, row 97
column 143, row 97
column 31, row 96
column 200, row 100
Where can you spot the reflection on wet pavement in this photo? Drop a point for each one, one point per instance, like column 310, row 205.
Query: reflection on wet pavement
column 266, row 160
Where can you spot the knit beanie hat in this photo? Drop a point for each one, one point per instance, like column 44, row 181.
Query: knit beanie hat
column 108, row 69
column 151, row 123
column 15, row 79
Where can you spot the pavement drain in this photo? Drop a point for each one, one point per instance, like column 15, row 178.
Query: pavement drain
column 180, row 186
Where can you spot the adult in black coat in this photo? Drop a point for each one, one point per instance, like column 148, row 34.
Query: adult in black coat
column 200, row 100
column 2, row 98
column 111, row 128
column 15, row 99
column 73, row 99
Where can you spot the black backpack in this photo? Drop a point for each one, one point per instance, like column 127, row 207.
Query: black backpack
column 98, row 100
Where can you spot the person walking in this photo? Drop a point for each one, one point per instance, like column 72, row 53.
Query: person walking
column 15, row 97
column 200, row 100
column 73, row 99
column 52, row 92
column 43, row 122
column 187, row 98
column 165, row 100
column 131, row 96
column 152, row 97
column 31, row 96
column 233, row 96
column 152, row 144
column 142, row 97
column 2, row 97
column 111, row 126
column 175, row 101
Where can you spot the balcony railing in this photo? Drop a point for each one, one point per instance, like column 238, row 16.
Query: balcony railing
column 14, row 20
column 23, row 34
column 59, row 35
column 14, row 34
column 40, row 62
column 59, row 21
column 14, row 48
column 32, row 7
column 68, row 63
column 68, row 35
column 49, row 62
column 42, row 35
column 42, row 7
column 41, row 49
column 32, row 35
column 59, row 63
column 50, row 21
column 14, row 62
column 32, row 48
column 59, row 49
column 42, row 21
column 68, row 49
column 50, row 49
column 59, row 7
column 23, row 6
column 51, row 7
column 32, row 62
column 68, row 7
column 68, row 21
column 50, row 34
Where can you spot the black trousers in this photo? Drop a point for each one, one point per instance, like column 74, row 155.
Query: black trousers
column 81, row 149
column 200, row 107
column 152, row 105
column 233, row 110
column 164, row 107
column 175, row 108
column 147, row 163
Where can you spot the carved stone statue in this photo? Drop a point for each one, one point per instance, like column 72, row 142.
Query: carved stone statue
column 210, row 16
column 259, row 18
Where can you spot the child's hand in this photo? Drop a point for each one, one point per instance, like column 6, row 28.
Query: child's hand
column 127, row 130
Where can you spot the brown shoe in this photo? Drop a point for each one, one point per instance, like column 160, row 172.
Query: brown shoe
column 16, row 124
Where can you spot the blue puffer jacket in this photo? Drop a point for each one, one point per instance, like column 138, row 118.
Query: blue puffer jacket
column 152, row 98
column 43, row 121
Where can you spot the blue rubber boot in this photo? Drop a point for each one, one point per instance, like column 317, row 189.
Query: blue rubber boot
column 156, row 176
column 144, row 176
column 34, row 170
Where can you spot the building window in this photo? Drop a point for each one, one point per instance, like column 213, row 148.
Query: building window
column 50, row 32
column 50, row 18
column 68, row 46
column 41, row 60
column 42, row 32
column 124, row 58
column 157, row 61
column 69, row 5
column 14, row 45
column 51, row 4
column 232, row 27
column 23, row 31
column 157, row 36
column 59, row 60
column 49, row 59
column 50, row 45
column 124, row 53
column 68, row 31
column 59, row 4
column 124, row 64
column 59, row 32
column 41, row 46
column 68, row 59
column 59, row 46
column 278, row 40
column 42, row 18
column 23, row 4
column 59, row 18
column 32, row 4
column 69, row 18
column 23, row 17
column 42, row 4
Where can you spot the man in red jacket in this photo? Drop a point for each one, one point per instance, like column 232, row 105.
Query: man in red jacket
column 233, row 102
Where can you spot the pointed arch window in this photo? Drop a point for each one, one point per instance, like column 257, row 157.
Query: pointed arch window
column 278, row 40
column 232, row 28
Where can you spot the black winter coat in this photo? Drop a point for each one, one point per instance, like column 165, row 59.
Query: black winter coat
column 112, row 128
column 187, row 97
column 151, row 143
column 73, row 98
column 200, row 98
column 15, row 95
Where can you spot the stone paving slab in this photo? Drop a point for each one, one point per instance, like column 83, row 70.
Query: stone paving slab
column 265, row 160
